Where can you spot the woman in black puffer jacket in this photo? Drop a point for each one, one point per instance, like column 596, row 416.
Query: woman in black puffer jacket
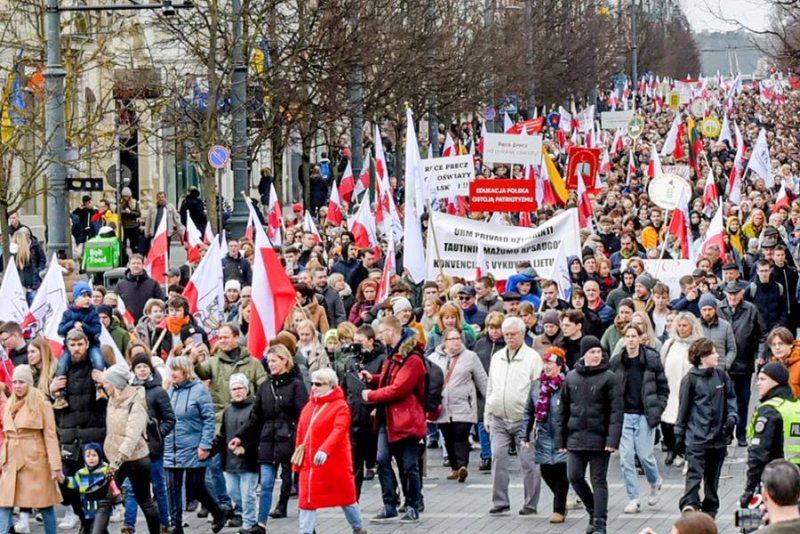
column 279, row 401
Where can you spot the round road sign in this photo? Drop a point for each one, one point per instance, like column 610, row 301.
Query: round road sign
column 218, row 156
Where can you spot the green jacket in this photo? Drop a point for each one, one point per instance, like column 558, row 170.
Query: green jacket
column 120, row 336
column 219, row 368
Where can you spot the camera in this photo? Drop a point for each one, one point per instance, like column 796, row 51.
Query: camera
column 352, row 349
column 167, row 9
column 749, row 519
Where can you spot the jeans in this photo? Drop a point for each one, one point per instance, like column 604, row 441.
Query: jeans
column 595, row 498
column 268, row 474
column 486, row 442
column 215, row 480
column 95, row 356
column 406, row 453
column 138, row 472
column 743, row 386
column 308, row 519
column 704, row 465
column 456, row 441
column 637, row 440
column 195, row 489
column 242, row 489
column 48, row 514
column 159, row 480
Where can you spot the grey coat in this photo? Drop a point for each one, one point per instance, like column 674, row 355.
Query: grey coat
column 720, row 333
column 467, row 382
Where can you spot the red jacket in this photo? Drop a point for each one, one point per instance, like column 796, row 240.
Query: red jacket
column 401, row 390
column 331, row 484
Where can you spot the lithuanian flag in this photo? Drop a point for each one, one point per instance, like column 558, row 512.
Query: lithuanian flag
column 556, row 181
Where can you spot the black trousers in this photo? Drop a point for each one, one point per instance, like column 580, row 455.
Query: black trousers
column 555, row 476
column 743, row 385
column 668, row 431
column 286, row 483
column 138, row 472
column 365, row 448
column 456, row 443
column 704, row 465
column 196, row 489
column 595, row 498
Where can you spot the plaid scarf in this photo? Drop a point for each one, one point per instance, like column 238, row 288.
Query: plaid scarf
column 548, row 385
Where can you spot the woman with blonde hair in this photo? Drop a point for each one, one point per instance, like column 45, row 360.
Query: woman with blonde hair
column 43, row 364
column 311, row 353
column 642, row 320
column 30, row 260
column 450, row 316
column 755, row 223
column 30, row 458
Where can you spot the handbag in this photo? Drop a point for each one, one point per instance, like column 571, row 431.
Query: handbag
column 300, row 451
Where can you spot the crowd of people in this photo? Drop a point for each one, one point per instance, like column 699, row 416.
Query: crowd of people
column 177, row 416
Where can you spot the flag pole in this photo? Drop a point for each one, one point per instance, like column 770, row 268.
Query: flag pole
column 666, row 237
column 433, row 235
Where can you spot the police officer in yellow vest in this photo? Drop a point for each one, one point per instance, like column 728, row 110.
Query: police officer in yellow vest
column 774, row 430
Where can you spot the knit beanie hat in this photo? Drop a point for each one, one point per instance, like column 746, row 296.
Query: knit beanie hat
column 118, row 376
column 23, row 373
column 555, row 355
column 707, row 299
column 331, row 334
column 142, row 358
column 588, row 343
column 80, row 288
column 96, row 447
column 239, row 379
column 777, row 371
column 399, row 304
column 551, row 317
column 646, row 280
column 105, row 309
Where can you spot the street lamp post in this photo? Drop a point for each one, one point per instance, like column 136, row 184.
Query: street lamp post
column 241, row 178
column 57, row 229
column 634, row 48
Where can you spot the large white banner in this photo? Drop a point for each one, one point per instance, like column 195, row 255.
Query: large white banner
column 512, row 148
column 611, row 120
column 453, row 245
column 449, row 176
column 668, row 272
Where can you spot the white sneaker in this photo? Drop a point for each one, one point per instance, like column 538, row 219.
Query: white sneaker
column 679, row 461
column 70, row 520
column 22, row 526
column 118, row 514
column 574, row 503
column 655, row 492
column 631, row 508
column 685, row 468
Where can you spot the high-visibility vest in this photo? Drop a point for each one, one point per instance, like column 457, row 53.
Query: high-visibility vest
column 790, row 414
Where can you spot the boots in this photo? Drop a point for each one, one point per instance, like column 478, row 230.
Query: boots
column 453, row 475
column 280, row 510
column 599, row 526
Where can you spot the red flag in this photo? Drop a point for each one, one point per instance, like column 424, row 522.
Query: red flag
column 584, row 205
column 208, row 235
column 524, row 221
column 157, row 261
column 449, row 146
column 274, row 218
column 679, row 225
column 363, row 227
column 347, row 184
column 715, row 235
column 483, row 137
column 710, row 194
column 389, row 270
column 310, row 227
column 481, row 265
column 194, row 241
column 654, row 165
column 335, row 216
column 273, row 296
column 784, row 199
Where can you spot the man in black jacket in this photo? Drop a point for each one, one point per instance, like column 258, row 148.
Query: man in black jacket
column 369, row 356
column 235, row 266
column 750, row 333
column 334, row 307
column 706, row 417
column 591, row 426
column 137, row 287
column 768, row 296
column 14, row 343
column 644, row 392
column 83, row 420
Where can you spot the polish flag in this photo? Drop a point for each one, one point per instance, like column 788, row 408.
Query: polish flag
column 710, row 194
column 274, row 218
column 449, row 146
column 783, row 199
column 363, row 227
column 508, row 124
column 584, row 205
column 250, row 229
column 381, row 169
column 123, row 309
column 347, row 184
column 481, row 265
column 654, row 169
column 679, row 225
column 481, row 141
column 737, row 172
column 310, row 227
column 208, row 235
column 389, row 270
column 760, row 162
column 363, row 179
column 12, row 295
column 672, row 142
column 273, row 296
column 725, row 130
column 618, row 144
column 106, row 339
column 335, row 216
column 157, row 261
column 49, row 305
column 194, row 241
column 715, row 235
column 605, row 163
column 631, row 167
column 206, row 288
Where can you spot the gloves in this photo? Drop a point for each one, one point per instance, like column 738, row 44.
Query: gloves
column 730, row 424
column 744, row 500
column 320, row 458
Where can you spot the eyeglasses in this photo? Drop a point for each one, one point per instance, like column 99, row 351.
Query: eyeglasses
column 318, row 384
column 453, row 339
column 464, row 297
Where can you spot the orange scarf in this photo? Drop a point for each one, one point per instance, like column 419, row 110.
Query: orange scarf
column 174, row 325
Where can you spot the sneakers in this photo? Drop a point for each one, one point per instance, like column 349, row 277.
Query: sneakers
column 462, row 474
column 118, row 515
column 686, row 510
column 411, row 516
column 70, row 520
column 632, row 507
column 574, row 503
column 486, row 465
column 22, row 526
column 678, row 461
column 60, row 403
column 384, row 516
column 655, row 492
column 369, row 474
column 555, row 517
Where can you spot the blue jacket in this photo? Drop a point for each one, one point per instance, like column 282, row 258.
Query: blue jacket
column 88, row 317
column 511, row 285
column 194, row 425
column 546, row 437
column 474, row 316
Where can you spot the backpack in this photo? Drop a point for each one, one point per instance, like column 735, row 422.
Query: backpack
column 434, row 385
column 754, row 289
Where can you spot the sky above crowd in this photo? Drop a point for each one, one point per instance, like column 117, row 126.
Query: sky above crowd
column 712, row 15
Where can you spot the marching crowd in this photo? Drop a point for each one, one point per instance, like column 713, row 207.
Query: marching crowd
column 179, row 417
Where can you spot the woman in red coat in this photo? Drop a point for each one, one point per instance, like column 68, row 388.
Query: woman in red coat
column 326, row 474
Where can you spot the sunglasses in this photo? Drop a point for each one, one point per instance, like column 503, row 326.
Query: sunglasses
column 318, row 384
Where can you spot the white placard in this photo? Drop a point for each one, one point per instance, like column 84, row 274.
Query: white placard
column 512, row 148
column 668, row 272
column 449, row 176
column 611, row 120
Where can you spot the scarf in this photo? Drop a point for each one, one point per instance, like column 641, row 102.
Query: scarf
column 548, row 385
column 174, row 325
column 16, row 406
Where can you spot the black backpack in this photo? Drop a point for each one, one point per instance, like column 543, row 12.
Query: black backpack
column 434, row 385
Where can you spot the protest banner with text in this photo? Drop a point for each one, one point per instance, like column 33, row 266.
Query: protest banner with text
column 512, row 148
column 449, row 176
column 502, row 195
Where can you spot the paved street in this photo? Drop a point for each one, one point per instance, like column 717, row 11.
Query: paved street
column 463, row 508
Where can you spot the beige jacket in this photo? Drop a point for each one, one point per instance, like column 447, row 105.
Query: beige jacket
column 509, row 383
column 126, row 427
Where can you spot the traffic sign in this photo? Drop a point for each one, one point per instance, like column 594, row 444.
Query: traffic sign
column 490, row 114
column 553, row 119
column 635, row 126
column 218, row 156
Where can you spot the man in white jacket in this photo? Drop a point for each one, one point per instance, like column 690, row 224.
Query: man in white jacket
column 511, row 372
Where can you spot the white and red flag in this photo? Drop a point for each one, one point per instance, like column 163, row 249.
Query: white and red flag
column 481, row 265
column 12, row 295
column 348, row 184
column 194, row 241
column 49, row 305
column 363, row 226
column 274, row 218
column 389, row 270
column 335, row 215
column 310, row 227
column 157, row 261
column 679, row 225
column 710, row 194
column 206, row 288
column 715, row 235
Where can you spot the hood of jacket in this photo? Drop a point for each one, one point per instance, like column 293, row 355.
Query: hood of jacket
column 409, row 343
